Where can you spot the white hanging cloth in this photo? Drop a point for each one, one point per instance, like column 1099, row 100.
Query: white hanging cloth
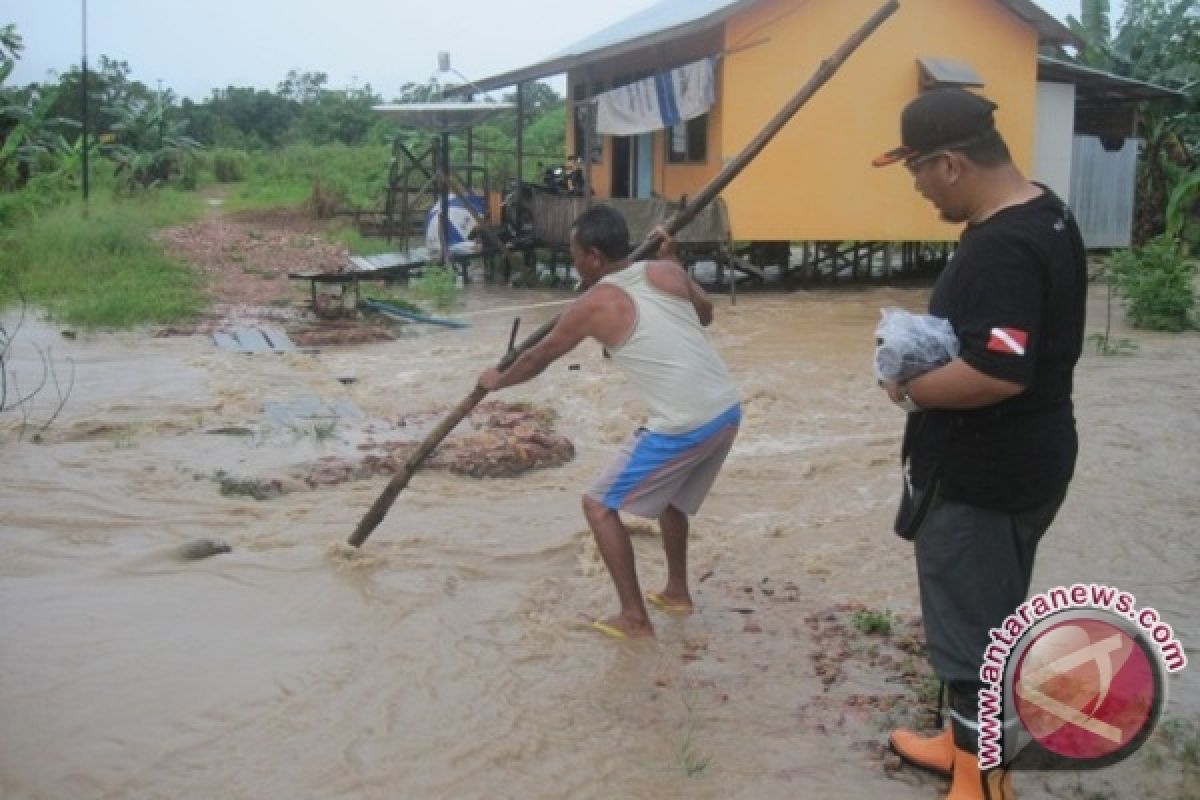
column 661, row 101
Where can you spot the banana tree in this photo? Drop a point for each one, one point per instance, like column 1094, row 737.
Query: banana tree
column 31, row 135
column 11, row 46
column 149, row 149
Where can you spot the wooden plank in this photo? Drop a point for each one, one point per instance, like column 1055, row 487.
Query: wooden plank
column 381, row 261
column 253, row 340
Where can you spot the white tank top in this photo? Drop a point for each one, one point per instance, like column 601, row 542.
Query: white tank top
column 668, row 359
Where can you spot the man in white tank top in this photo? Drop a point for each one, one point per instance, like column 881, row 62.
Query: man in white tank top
column 650, row 317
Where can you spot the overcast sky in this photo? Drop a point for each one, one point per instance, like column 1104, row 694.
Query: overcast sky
column 194, row 46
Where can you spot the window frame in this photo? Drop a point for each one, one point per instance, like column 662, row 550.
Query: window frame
column 673, row 158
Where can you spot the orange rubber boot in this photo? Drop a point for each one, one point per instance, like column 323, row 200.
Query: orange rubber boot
column 968, row 783
column 934, row 753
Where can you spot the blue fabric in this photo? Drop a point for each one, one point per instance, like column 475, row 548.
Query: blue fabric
column 665, row 89
column 653, row 450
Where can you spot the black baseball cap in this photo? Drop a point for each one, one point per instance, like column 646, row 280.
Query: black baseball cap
column 941, row 119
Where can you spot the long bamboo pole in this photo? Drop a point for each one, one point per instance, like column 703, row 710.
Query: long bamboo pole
column 677, row 222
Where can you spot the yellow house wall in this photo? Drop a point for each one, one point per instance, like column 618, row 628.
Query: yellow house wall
column 814, row 181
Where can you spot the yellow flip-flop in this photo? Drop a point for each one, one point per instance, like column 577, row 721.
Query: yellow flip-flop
column 658, row 601
column 608, row 630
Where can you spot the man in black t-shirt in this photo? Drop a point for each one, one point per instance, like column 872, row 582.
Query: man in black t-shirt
column 990, row 444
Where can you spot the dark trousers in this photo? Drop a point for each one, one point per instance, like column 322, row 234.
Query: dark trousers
column 974, row 568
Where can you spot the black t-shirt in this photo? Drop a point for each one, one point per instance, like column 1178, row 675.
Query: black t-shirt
column 1015, row 293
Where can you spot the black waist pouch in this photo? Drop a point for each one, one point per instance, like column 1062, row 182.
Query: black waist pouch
column 916, row 502
column 914, row 505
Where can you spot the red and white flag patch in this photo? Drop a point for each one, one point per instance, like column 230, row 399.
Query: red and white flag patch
column 1011, row 341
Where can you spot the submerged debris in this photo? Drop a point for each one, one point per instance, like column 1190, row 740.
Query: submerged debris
column 330, row 333
column 499, row 440
column 197, row 549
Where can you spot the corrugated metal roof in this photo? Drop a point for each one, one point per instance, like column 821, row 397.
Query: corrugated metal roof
column 672, row 19
column 1096, row 84
column 661, row 22
column 662, row 17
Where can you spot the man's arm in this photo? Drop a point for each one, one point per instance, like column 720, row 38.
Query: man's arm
column 575, row 324
column 956, row 385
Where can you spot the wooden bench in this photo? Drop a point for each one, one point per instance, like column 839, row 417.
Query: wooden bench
column 381, row 267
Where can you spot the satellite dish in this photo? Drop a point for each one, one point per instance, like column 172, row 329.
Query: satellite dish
column 444, row 116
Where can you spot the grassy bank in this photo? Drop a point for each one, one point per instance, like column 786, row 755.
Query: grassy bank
column 104, row 270
column 348, row 176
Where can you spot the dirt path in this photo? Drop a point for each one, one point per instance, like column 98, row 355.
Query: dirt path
column 245, row 258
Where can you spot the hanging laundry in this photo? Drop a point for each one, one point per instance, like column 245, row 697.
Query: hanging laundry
column 661, row 101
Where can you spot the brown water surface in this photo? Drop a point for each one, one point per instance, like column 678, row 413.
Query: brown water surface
column 445, row 659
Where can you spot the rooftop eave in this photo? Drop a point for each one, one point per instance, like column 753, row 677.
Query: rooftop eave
column 1118, row 87
column 566, row 61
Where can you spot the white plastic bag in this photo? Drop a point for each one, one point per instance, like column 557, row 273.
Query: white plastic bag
column 908, row 345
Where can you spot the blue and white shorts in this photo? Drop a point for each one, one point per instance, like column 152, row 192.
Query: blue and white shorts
column 656, row 470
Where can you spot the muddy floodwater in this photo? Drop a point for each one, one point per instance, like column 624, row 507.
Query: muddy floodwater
column 445, row 659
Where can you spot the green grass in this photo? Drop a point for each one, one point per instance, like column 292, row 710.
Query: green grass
column 869, row 621
column 285, row 177
column 437, row 286
column 1182, row 738
column 688, row 758
column 103, row 270
column 360, row 245
column 1105, row 346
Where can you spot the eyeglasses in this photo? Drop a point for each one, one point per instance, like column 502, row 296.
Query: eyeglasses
column 915, row 163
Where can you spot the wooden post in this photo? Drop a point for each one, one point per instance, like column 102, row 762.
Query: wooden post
column 589, row 125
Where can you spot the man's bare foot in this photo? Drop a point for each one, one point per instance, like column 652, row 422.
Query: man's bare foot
column 620, row 627
column 675, row 604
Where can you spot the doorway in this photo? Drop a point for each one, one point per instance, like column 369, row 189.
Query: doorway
column 633, row 165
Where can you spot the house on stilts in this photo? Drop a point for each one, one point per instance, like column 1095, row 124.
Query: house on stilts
column 811, row 204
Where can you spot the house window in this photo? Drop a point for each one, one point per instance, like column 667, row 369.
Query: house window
column 687, row 142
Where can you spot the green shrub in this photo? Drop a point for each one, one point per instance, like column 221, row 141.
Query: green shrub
column 437, row 286
column 189, row 172
column 1158, row 280
column 229, row 166
column 870, row 621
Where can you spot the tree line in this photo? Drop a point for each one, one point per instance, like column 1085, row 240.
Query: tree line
column 149, row 134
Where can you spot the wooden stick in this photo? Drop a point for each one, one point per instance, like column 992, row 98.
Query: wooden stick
column 677, row 222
